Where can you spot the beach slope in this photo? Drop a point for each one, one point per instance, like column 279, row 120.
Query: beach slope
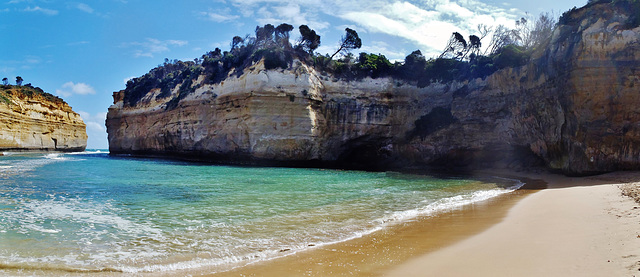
column 577, row 227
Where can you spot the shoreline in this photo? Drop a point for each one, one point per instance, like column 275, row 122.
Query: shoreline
column 577, row 226
column 382, row 250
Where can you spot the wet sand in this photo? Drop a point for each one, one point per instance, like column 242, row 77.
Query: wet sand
column 374, row 254
column 576, row 227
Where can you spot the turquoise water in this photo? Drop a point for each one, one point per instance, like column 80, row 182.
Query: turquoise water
column 93, row 212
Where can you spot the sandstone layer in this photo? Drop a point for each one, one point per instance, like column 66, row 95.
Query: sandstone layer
column 33, row 121
column 572, row 108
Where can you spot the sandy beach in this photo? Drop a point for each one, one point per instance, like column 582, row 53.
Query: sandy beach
column 575, row 227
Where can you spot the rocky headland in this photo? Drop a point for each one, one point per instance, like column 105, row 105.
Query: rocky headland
column 32, row 120
column 571, row 107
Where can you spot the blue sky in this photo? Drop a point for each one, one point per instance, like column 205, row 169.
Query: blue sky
column 85, row 50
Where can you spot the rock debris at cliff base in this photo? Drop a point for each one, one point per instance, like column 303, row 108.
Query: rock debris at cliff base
column 631, row 190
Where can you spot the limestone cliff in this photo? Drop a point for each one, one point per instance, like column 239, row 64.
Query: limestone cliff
column 573, row 108
column 33, row 120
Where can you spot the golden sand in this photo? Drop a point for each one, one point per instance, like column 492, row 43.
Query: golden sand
column 576, row 227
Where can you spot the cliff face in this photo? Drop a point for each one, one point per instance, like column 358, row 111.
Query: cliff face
column 264, row 115
column 572, row 108
column 33, row 121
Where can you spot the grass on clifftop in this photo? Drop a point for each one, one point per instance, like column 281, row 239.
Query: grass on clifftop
column 3, row 98
column 6, row 91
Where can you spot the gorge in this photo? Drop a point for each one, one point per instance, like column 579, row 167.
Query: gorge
column 572, row 107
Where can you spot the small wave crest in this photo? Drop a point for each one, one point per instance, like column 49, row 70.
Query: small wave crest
column 452, row 203
column 90, row 152
column 54, row 156
column 19, row 166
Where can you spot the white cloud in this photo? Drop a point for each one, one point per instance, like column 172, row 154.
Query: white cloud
column 76, row 43
column 42, row 10
column 292, row 14
column 94, row 122
column 29, row 62
column 381, row 47
column 275, row 12
column 427, row 23
column 84, row 115
column 70, row 88
column 95, row 126
column 374, row 47
column 32, row 60
column 85, row 8
column 152, row 46
column 219, row 16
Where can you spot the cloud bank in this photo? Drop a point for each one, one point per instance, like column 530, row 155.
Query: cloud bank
column 426, row 23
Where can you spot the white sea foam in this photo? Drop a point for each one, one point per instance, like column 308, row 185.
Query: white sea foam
column 38, row 228
column 86, row 213
column 89, row 152
column 338, row 236
column 57, row 157
column 120, row 235
column 450, row 203
column 22, row 166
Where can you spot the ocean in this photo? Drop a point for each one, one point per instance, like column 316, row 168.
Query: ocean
column 92, row 212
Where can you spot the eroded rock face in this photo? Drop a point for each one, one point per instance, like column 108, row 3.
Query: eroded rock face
column 33, row 122
column 572, row 108
column 264, row 115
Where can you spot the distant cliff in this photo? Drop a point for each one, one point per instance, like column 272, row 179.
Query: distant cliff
column 33, row 120
column 572, row 107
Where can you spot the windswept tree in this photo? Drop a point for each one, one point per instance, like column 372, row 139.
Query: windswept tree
column 236, row 42
column 19, row 81
column 474, row 45
column 5, row 81
column 529, row 33
column 264, row 36
column 484, row 30
column 457, row 47
column 502, row 36
column 349, row 41
column 415, row 59
column 309, row 40
column 542, row 29
column 414, row 65
column 282, row 35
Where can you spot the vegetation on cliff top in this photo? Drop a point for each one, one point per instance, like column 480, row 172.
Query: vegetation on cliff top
column 462, row 58
column 7, row 91
column 629, row 7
